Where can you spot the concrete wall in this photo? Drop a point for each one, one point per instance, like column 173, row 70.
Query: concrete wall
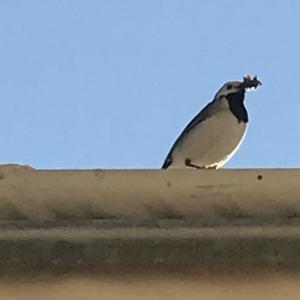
column 155, row 224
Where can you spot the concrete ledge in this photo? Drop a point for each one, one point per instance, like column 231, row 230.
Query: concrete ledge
column 98, row 220
column 118, row 250
column 202, row 195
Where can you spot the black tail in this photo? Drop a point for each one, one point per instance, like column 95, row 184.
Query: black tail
column 167, row 162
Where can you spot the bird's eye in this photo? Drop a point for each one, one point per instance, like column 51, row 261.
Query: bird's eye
column 229, row 86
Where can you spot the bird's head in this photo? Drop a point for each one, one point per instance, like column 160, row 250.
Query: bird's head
column 233, row 87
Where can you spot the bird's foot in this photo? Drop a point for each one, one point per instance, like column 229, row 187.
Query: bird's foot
column 188, row 163
column 212, row 168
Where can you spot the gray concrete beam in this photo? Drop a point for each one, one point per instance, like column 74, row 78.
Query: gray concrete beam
column 96, row 220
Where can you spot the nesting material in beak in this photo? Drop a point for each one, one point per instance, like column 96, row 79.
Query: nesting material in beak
column 250, row 83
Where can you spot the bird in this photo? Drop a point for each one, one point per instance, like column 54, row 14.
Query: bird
column 216, row 132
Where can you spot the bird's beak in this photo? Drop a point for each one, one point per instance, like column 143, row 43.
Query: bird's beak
column 250, row 83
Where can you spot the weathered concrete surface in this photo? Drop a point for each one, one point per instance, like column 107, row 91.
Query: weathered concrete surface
column 113, row 220
column 204, row 196
column 91, row 249
column 267, row 286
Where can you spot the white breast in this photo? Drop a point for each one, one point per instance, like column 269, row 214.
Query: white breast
column 211, row 143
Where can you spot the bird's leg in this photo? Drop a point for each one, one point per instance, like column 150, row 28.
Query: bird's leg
column 188, row 163
column 212, row 168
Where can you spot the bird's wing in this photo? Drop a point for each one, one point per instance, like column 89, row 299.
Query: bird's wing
column 209, row 110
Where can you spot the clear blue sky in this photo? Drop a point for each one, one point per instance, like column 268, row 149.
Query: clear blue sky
column 92, row 84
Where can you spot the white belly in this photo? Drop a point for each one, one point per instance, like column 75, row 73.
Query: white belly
column 211, row 143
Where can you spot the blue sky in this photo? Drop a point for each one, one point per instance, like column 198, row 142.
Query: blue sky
column 111, row 84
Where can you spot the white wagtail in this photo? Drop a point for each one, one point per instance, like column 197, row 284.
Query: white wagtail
column 216, row 132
